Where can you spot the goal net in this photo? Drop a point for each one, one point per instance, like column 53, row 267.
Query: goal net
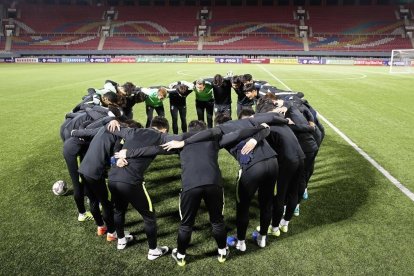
column 402, row 61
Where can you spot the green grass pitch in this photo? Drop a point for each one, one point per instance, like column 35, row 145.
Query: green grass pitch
column 355, row 222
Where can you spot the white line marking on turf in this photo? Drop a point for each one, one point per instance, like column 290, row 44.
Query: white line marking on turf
column 374, row 163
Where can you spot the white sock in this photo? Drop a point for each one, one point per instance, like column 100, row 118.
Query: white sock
column 122, row 241
column 180, row 256
column 275, row 229
column 222, row 251
column 154, row 251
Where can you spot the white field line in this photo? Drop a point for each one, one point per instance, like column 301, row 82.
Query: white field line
column 374, row 163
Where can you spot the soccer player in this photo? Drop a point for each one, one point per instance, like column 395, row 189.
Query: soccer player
column 92, row 170
column 258, row 172
column 222, row 95
column 74, row 148
column 127, row 184
column 304, row 133
column 242, row 101
column 178, row 93
column 291, row 164
column 206, row 186
column 154, row 101
column 204, row 101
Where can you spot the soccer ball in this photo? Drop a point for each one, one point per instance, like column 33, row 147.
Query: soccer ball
column 60, row 188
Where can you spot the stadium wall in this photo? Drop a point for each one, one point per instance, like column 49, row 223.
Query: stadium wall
column 186, row 53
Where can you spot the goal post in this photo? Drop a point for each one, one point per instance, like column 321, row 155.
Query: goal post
column 402, row 61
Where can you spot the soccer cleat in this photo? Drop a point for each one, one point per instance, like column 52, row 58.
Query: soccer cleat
column 122, row 243
column 180, row 261
column 85, row 216
column 241, row 246
column 157, row 252
column 222, row 258
column 283, row 228
column 101, row 230
column 261, row 240
column 111, row 236
column 296, row 211
column 305, row 195
column 274, row 231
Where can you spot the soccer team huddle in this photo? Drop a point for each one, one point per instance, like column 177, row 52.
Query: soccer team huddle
column 275, row 140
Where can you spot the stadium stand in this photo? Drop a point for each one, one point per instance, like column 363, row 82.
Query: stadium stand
column 272, row 42
column 358, row 43
column 2, row 43
column 354, row 20
column 331, row 28
column 68, row 42
column 37, row 19
column 150, row 42
column 252, row 20
column 158, row 19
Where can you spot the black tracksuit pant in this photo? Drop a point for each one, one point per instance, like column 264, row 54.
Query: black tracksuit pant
column 73, row 152
column 182, row 110
column 260, row 177
column 136, row 194
column 209, row 107
column 99, row 193
column 189, row 204
column 150, row 113
column 290, row 174
column 309, row 164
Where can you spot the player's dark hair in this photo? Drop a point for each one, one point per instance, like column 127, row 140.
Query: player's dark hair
column 236, row 80
column 218, row 80
column 246, row 113
column 115, row 110
column 271, row 96
column 248, row 87
column 221, row 118
column 196, row 126
column 132, row 124
column 182, row 88
column 247, row 78
column 111, row 97
column 129, row 88
column 160, row 123
column 264, row 105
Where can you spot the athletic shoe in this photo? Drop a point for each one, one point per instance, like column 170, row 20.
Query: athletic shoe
column 85, row 216
column 305, row 195
column 101, row 230
column 241, row 246
column 261, row 240
column 270, row 231
column 283, row 228
column 111, row 236
column 296, row 211
column 157, row 252
column 222, row 258
column 180, row 261
column 122, row 243
column 273, row 232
